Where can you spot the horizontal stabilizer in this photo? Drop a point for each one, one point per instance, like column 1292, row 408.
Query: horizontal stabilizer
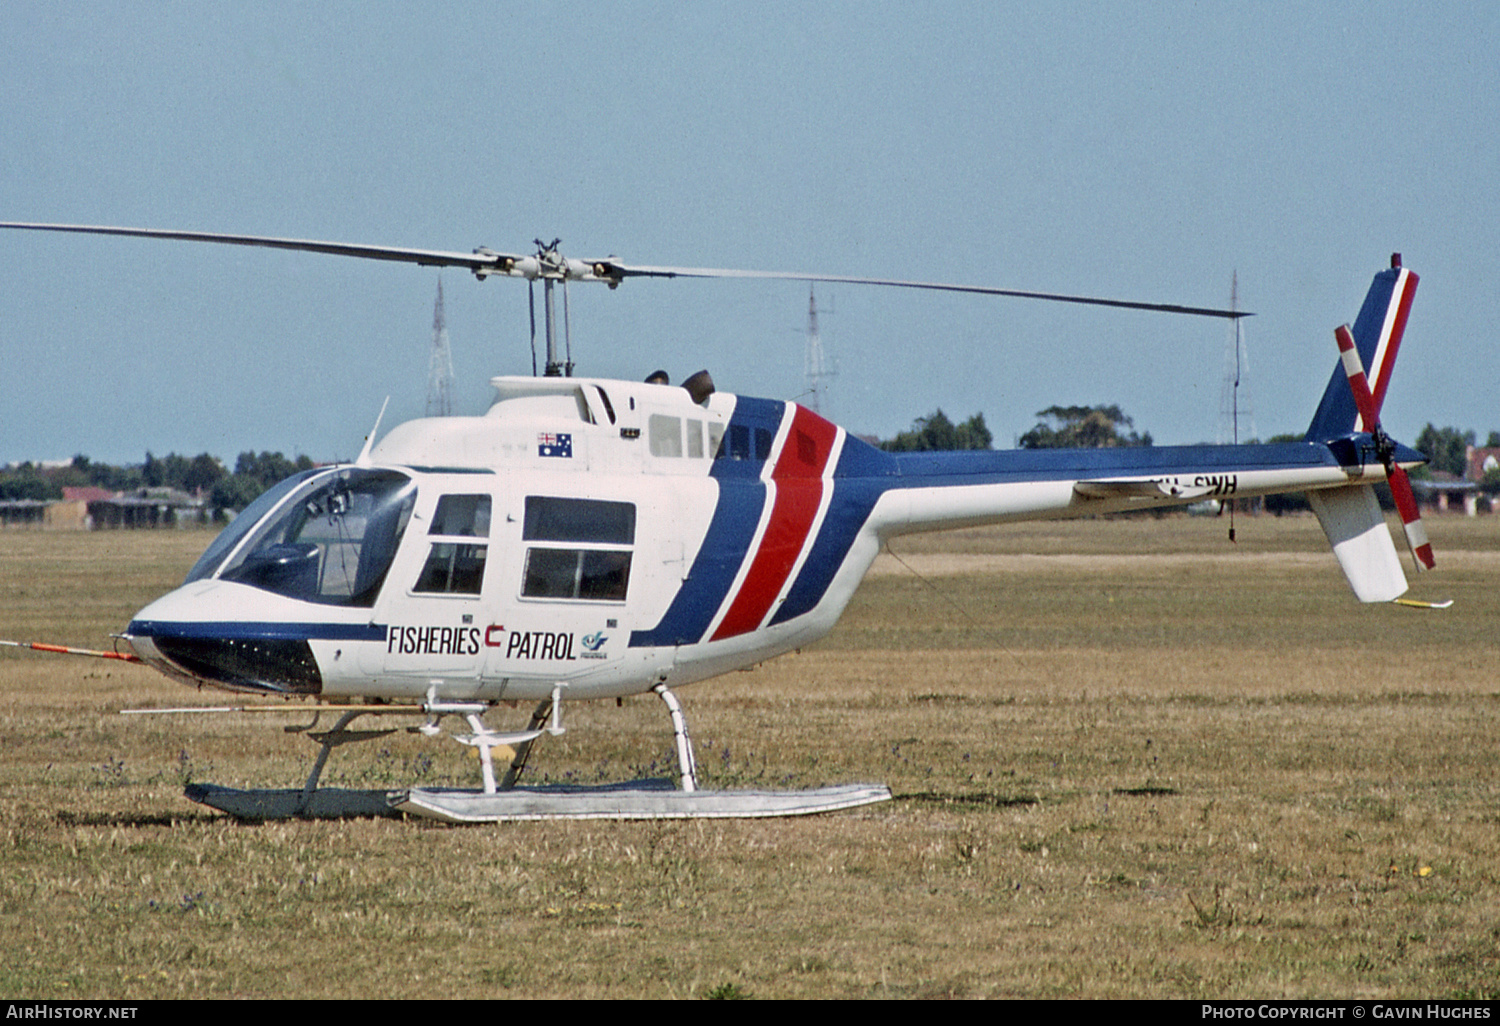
column 1355, row 526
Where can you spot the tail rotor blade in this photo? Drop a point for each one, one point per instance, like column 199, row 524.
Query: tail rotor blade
column 1369, row 413
column 1359, row 384
column 1411, row 519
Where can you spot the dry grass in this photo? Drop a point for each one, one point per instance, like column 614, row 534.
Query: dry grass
column 1173, row 769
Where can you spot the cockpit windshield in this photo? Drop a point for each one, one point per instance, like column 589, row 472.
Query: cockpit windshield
column 332, row 541
column 231, row 536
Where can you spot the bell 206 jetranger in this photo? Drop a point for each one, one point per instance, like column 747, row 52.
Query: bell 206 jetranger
column 590, row 538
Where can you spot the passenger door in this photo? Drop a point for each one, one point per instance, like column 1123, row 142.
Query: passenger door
column 434, row 602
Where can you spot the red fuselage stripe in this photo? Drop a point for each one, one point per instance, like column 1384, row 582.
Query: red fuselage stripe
column 798, row 476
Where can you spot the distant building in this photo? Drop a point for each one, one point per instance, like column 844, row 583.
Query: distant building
column 148, row 508
column 1442, row 491
column 23, row 512
column 1479, row 462
column 72, row 512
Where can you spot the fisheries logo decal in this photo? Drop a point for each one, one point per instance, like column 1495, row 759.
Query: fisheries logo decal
column 593, row 645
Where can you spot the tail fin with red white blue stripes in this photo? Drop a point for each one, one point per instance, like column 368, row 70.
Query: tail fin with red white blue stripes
column 1377, row 336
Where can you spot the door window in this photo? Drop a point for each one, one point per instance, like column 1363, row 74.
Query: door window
column 455, row 561
column 593, row 566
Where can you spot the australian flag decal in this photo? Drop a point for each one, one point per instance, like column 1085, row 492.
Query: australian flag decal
column 554, row 445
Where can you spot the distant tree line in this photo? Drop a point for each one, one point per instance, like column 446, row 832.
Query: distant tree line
column 1104, row 427
column 252, row 475
column 1448, row 448
column 1058, row 427
column 1082, row 427
column 936, row 433
column 201, row 475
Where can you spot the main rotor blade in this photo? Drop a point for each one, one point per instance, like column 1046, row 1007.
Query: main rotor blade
column 614, row 268
column 483, row 261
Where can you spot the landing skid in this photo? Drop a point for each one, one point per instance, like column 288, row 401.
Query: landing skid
column 286, row 803
column 637, row 799
column 506, row 801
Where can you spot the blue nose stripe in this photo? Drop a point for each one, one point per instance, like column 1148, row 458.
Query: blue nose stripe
column 257, row 631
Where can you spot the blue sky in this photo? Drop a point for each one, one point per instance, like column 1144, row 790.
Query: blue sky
column 1137, row 151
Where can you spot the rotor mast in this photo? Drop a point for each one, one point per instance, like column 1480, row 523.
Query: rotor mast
column 552, row 268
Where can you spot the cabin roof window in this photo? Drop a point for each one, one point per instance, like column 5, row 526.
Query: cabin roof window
column 666, row 435
column 746, row 443
column 463, row 516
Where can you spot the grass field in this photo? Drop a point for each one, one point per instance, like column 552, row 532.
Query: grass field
column 1130, row 760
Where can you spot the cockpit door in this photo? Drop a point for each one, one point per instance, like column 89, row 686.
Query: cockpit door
column 434, row 600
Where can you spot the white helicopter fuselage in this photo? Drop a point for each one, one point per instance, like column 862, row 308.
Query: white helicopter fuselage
column 603, row 537
column 538, row 545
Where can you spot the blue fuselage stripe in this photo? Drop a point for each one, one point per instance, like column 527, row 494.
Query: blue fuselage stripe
column 742, row 497
column 848, row 510
column 243, row 631
column 718, row 561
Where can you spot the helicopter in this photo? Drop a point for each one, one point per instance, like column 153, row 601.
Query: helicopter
column 589, row 538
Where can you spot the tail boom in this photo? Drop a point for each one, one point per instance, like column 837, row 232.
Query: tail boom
column 950, row 490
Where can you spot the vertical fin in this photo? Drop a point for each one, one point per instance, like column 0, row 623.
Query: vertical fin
column 1377, row 337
